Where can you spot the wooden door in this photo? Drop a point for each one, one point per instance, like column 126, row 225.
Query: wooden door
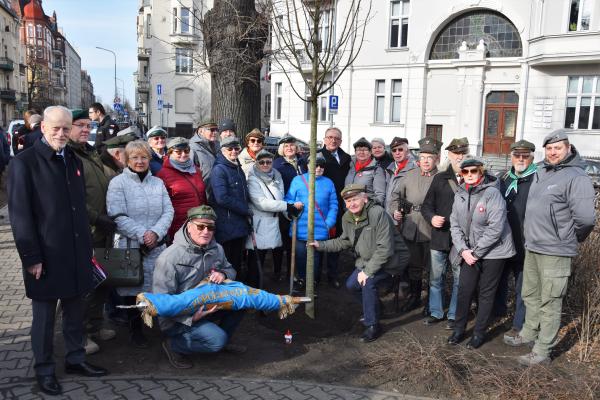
column 500, row 122
column 434, row 132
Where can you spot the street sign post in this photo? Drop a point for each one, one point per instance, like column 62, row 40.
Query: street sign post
column 159, row 104
column 333, row 104
column 159, row 89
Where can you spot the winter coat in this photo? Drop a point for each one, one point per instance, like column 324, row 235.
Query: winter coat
column 19, row 136
column 145, row 206
column 156, row 162
column 4, row 151
column 204, row 154
column 47, row 208
column 560, row 208
column 413, row 188
column 516, row 204
column 266, row 202
column 372, row 176
column 325, row 197
column 393, row 181
column 30, row 138
column 439, row 201
column 385, row 160
column 379, row 245
column 489, row 235
column 337, row 173
column 230, row 200
column 96, row 186
column 185, row 190
column 287, row 170
column 107, row 129
column 183, row 265
column 246, row 161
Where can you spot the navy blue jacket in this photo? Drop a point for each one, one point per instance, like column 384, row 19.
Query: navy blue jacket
column 156, row 163
column 287, row 170
column 4, row 150
column 229, row 199
column 46, row 203
column 30, row 138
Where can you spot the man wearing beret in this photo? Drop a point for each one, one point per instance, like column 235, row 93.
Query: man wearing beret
column 113, row 153
column 514, row 186
column 204, row 146
column 194, row 256
column 379, row 249
column 560, row 215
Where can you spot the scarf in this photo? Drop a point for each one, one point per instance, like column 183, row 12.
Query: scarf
column 362, row 164
column 141, row 175
column 251, row 153
column 401, row 166
column 467, row 186
column 513, row 185
column 186, row 166
column 264, row 176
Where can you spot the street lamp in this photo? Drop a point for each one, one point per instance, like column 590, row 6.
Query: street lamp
column 115, row 56
column 122, row 89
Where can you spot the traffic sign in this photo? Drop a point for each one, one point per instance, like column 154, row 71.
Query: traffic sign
column 333, row 102
column 159, row 105
column 167, row 105
column 117, row 99
column 118, row 107
column 126, row 114
column 159, row 89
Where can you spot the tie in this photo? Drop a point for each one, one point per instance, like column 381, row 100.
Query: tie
column 337, row 158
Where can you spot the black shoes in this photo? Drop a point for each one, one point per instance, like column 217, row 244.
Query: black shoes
column 455, row 338
column 49, row 385
column 431, row 320
column 85, row 369
column 475, row 342
column 371, row 333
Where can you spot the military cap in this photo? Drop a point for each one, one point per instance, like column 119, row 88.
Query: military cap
column 264, row 154
column 362, row 142
column 119, row 141
column 254, row 133
column 522, row 144
column 204, row 212
column 79, row 114
column 471, row 162
column 397, row 141
column 287, row 138
column 459, row 145
column 429, row 145
column 227, row 124
column 352, row 190
column 207, row 123
column 156, row 131
column 231, row 141
column 556, row 136
column 178, row 143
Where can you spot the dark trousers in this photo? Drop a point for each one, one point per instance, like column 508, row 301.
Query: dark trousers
column 42, row 333
column 286, row 239
column 252, row 279
column 485, row 276
column 332, row 265
column 302, row 256
column 94, row 308
column 367, row 294
column 233, row 251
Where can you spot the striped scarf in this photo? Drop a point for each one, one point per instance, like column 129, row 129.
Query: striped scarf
column 515, row 179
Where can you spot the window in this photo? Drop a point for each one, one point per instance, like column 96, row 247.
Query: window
column 39, row 31
column 326, row 28
column 379, row 100
column 174, row 19
column 278, row 101
column 185, row 21
column 396, row 98
column 148, row 25
column 323, row 104
column 399, row 23
column 29, row 30
column 579, row 15
column 183, row 61
column 306, row 103
column 583, row 103
column 498, row 33
column 267, row 106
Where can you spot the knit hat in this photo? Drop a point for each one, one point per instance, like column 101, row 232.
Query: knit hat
column 227, row 124
column 362, row 142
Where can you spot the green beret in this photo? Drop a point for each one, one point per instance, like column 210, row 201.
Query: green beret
column 287, row 138
column 471, row 162
column 156, row 131
column 362, row 142
column 556, row 136
column 204, row 212
column 179, row 143
column 352, row 190
column 459, row 145
column 79, row 114
column 522, row 145
column 119, row 141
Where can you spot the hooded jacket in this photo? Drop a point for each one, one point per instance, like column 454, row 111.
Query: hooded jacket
column 372, row 176
column 183, row 265
column 560, row 208
column 204, row 155
column 489, row 235
column 379, row 246
column 246, row 161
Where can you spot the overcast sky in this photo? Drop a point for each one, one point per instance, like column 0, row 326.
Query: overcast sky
column 110, row 24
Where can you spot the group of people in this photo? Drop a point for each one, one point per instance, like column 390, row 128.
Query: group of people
column 197, row 208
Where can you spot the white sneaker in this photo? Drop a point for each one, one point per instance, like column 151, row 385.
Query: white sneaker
column 104, row 334
column 516, row 341
column 533, row 359
column 91, row 347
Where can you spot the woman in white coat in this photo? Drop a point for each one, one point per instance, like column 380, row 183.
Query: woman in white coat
column 143, row 212
column 265, row 186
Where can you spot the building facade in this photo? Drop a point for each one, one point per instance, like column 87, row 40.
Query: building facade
column 87, row 90
column 493, row 71
column 73, row 77
column 11, row 90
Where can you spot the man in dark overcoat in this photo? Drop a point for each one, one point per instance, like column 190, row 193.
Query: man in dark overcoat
column 47, row 208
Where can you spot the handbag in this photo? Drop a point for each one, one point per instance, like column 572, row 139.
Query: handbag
column 123, row 267
column 331, row 232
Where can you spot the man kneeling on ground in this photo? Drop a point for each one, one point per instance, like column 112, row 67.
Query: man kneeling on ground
column 194, row 256
column 379, row 249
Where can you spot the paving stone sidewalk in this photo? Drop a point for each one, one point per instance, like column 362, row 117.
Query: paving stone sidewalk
column 16, row 361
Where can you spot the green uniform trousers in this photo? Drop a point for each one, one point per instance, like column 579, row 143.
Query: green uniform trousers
column 545, row 281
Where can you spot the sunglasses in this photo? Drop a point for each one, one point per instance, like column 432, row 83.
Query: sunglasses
column 521, row 155
column 202, row 227
column 398, row 150
column 265, row 162
column 159, row 137
column 181, row 151
column 233, row 148
column 467, row 171
column 253, row 140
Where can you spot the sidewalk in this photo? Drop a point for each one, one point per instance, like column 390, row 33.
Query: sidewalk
column 16, row 361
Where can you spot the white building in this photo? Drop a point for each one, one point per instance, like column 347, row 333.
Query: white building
column 494, row 71
column 73, row 77
column 168, row 41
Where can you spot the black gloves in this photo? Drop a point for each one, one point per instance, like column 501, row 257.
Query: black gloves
column 292, row 211
column 105, row 224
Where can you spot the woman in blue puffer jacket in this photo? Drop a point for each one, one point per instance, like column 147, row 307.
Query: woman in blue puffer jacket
column 326, row 207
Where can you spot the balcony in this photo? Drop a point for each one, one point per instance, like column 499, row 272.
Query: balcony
column 144, row 54
column 57, row 50
column 143, row 85
column 58, row 65
column 185, row 39
column 6, row 64
column 559, row 49
column 8, row 94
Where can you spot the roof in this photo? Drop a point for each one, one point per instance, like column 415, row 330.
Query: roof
column 33, row 10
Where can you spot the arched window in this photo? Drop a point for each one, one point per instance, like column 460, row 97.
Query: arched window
column 498, row 33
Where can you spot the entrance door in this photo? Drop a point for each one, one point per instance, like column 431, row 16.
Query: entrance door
column 434, row 132
column 500, row 122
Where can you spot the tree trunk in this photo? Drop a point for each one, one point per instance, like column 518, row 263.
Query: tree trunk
column 234, row 37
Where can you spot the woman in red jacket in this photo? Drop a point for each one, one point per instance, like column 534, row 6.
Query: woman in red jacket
column 183, row 181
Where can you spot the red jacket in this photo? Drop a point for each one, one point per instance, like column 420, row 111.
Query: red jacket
column 185, row 190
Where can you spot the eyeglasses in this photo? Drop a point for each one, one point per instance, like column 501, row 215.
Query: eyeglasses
column 213, row 129
column 202, row 227
column 467, row 171
column 254, row 140
column 81, row 126
column 265, row 162
column 233, row 148
column 398, row 150
column 319, row 166
column 521, row 155
column 181, row 151
column 428, row 158
column 333, row 138
column 362, row 150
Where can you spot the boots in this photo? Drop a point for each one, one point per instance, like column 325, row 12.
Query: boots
column 136, row 334
column 414, row 298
